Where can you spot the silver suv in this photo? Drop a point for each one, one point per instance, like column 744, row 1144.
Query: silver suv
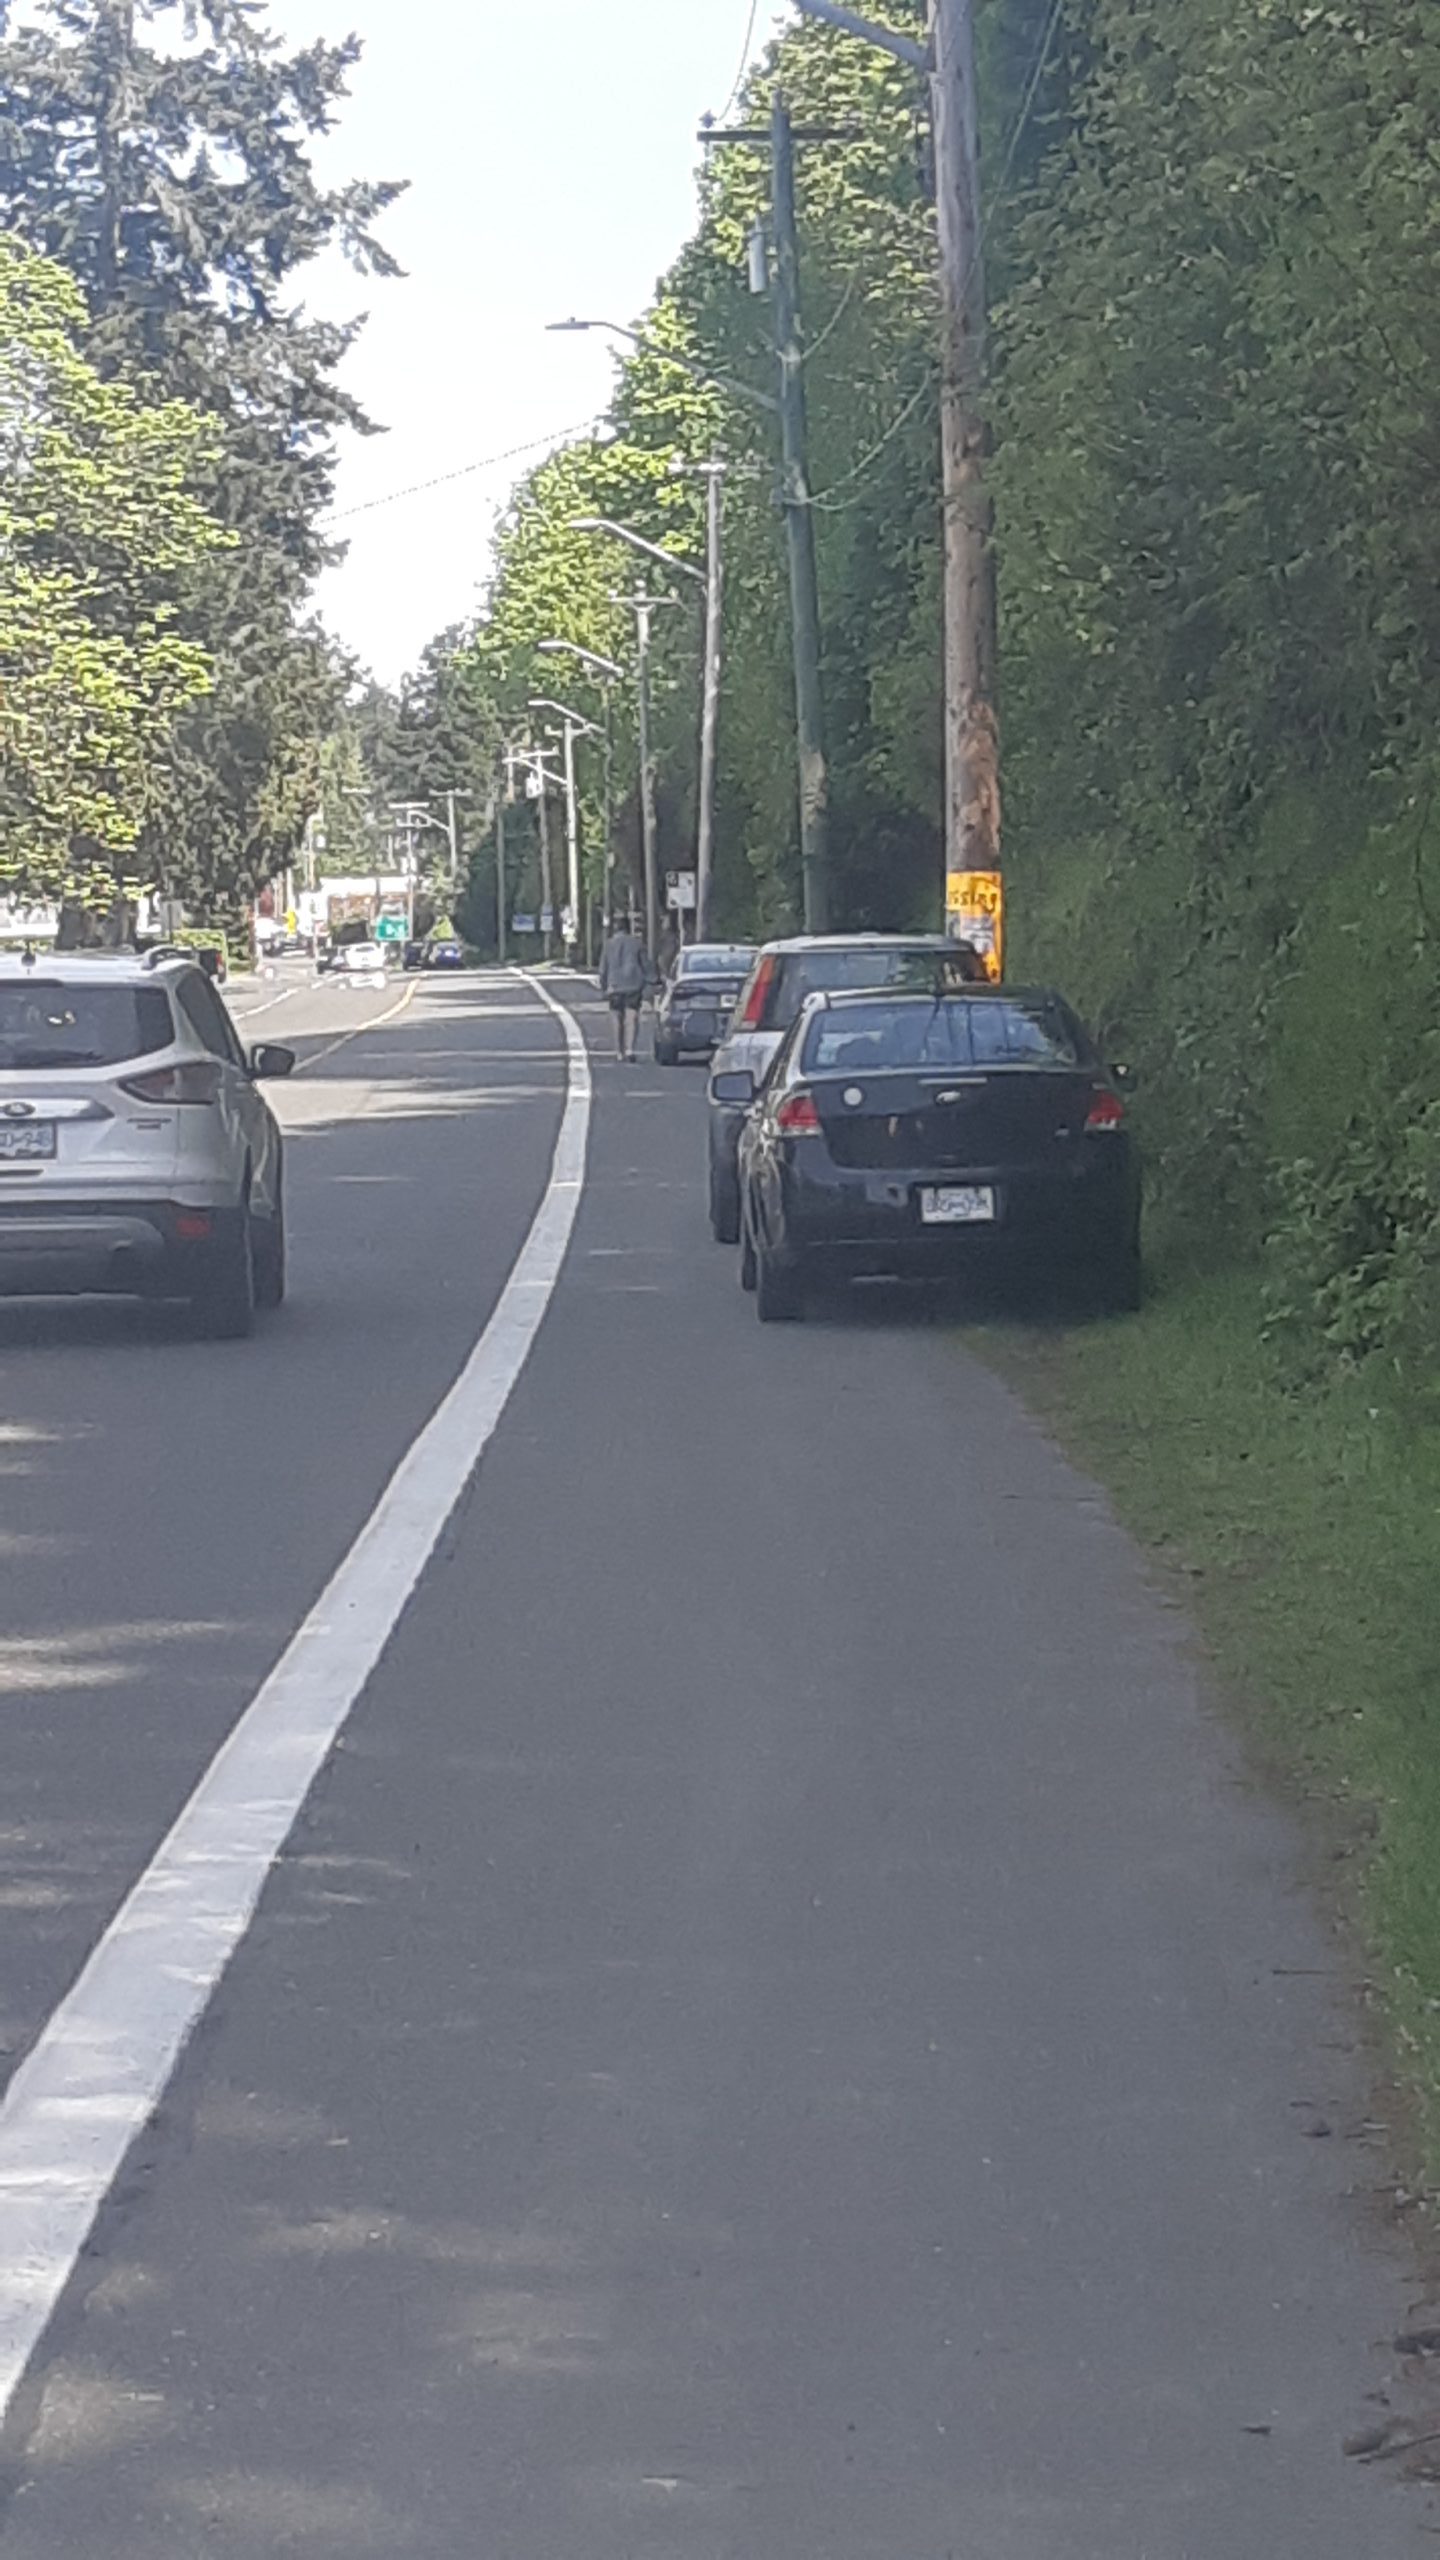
column 136, row 1154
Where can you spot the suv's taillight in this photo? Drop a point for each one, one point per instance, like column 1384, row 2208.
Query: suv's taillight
column 1106, row 1112
column 752, row 1013
column 797, row 1116
column 194, row 1080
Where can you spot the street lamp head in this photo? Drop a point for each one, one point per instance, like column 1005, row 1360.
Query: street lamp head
column 606, row 667
column 559, row 328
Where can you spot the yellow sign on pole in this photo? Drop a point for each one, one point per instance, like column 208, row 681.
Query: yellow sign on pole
column 975, row 913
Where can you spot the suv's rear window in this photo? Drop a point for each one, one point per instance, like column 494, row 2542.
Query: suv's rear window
column 50, row 1024
column 953, row 1031
column 813, row 973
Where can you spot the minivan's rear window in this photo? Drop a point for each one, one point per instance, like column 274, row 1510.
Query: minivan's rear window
column 953, row 1031
column 50, row 1024
column 813, row 973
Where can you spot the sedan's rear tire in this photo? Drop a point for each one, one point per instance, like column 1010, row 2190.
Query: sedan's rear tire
column 223, row 1308
column 724, row 1209
column 779, row 1298
column 1115, row 1282
column 270, row 1262
column 747, row 1258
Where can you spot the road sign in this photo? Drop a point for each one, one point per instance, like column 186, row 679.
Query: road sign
column 522, row 924
column 680, row 891
column 389, row 928
column 975, row 913
column 547, row 919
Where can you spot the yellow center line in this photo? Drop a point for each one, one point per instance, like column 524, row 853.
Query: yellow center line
column 320, row 1055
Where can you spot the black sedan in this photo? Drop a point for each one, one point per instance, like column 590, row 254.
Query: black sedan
column 926, row 1135
column 695, row 1004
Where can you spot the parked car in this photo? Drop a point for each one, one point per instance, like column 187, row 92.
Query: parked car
column 444, row 954
column 136, row 1152
column 413, row 956
column 694, row 1006
column 782, row 975
column 906, row 1133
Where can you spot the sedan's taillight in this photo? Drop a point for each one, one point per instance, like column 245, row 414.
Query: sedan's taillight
column 797, row 1116
column 1106, row 1112
column 753, row 1016
column 194, row 1080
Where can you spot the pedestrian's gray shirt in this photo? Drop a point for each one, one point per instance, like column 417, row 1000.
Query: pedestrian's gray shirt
column 622, row 965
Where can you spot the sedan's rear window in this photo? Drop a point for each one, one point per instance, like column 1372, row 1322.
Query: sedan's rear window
column 813, row 973
column 49, row 1024
column 951, row 1031
column 716, row 960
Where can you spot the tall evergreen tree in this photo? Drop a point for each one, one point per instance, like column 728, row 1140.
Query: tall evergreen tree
column 160, row 150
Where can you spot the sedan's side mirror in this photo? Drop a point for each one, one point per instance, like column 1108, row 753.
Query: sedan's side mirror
column 735, row 1086
column 269, row 1059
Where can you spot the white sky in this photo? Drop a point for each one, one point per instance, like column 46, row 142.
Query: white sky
column 551, row 152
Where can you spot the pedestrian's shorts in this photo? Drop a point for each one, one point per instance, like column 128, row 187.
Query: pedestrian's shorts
column 627, row 1003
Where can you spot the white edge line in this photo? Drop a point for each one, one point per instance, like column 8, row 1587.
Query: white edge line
column 103, row 2060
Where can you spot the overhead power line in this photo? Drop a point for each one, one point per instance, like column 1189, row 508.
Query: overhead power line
column 738, row 82
column 466, row 471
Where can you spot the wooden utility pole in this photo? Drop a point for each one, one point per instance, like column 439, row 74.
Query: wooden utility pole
column 972, row 734
column 800, row 531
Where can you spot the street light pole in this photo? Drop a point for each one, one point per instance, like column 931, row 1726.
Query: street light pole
column 710, row 579
column 642, row 606
column 533, row 760
column 575, row 726
column 607, row 673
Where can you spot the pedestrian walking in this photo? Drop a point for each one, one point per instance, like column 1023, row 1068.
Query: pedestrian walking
column 625, row 973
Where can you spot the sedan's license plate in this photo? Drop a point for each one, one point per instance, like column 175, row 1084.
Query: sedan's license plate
column 33, row 1138
column 957, row 1205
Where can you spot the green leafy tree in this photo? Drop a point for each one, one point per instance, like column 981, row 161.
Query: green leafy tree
column 162, row 154
column 99, row 529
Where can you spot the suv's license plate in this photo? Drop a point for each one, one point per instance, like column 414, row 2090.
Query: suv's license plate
column 957, row 1206
column 34, row 1138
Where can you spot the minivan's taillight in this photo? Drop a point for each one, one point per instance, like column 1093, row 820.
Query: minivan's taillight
column 193, row 1080
column 752, row 1013
column 797, row 1116
column 1106, row 1112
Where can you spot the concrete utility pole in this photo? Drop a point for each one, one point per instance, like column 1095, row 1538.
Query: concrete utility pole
column 710, row 699
column 800, row 532
column 502, row 901
column 781, row 136
column 972, row 737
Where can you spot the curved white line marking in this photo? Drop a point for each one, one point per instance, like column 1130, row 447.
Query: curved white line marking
column 102, row 2062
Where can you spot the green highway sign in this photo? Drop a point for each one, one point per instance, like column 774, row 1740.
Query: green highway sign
column 390, row 929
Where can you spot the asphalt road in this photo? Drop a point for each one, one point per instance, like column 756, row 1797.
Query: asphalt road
column 781, row 2033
